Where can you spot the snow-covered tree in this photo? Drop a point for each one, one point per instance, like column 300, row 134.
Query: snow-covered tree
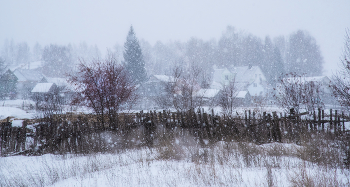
column 133, row 58
column 2, row 65
column 304, row 55
column 8, row 82
column 57, row 60
column 267, row 65
column 9, row 52
column 37, row 52
column 22, row 53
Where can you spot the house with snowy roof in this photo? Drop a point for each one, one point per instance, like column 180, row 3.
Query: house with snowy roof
column 252, row 79
column 44, row 92
column 244, row 78
column 149, row 91
column 222, row 77
column 27, row 79
column 207, row 97
column 243, row 98
column 45, row 88
column 61, row 83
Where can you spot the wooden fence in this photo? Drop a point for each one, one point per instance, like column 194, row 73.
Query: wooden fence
column 70, row 133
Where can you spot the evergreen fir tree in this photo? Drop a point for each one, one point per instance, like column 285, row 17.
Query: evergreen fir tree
column 304, row 55
column 2, row 65
column 8, row 82
column 133, row 58
column 278, row 66
column 267, row 65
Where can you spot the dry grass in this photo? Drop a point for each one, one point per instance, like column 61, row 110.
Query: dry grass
column 182, row 159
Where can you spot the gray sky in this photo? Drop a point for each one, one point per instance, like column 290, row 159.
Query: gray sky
column 106, row 22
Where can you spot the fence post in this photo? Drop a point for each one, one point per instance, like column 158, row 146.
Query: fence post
column 330, row 120
column 342, row 116
column 319, row 120
column 24, row 134
column 2, row 130
column 314, row 123
column 322, row 120
column 336, row 122
column 200, row 117
column 263, row 129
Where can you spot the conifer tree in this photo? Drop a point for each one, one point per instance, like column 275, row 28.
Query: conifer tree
column 304, row 55
column 278, row 66
column 133, row 58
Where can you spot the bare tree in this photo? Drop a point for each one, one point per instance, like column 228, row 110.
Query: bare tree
column 167, row 98
column 294, row 91
column 341, row 81
column 185, row 87
column 179, row 91
column 103, row 85
column 48, row 103
column 227, row 98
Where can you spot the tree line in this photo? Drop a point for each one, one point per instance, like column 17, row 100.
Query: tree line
column 298, row 52
column 95, row 78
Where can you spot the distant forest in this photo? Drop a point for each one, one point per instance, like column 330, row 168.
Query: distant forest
column 298, row 52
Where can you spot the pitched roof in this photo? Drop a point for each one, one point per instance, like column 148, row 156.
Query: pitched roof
column 242, row 94
column 217, row 74
column 28, row 75
column 246, row 74
column 42, row 87
column 208, row 93
column 58, row 81
column 28, row 65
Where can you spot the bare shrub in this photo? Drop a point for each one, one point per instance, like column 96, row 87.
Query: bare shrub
column 305, row 176
column 295, row 91
column 180, row 91
column 227, row 98
column 103, row 85
column 341, row 83
column 319, row 149
column 169, row 149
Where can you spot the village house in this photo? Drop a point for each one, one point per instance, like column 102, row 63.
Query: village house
column 45, row 92
column 248, row 82
column 27, row 79
column 252, row 79
column 208, row 97
column 151, row 93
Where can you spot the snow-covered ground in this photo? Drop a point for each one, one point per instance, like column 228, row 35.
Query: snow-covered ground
column 18, row 103
column 176, row 163
column 216, row 166
column 15, row 112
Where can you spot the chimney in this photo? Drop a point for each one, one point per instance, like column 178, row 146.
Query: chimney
column 250, row 66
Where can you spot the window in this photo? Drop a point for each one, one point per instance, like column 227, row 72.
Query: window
column 226, row 77
column 255, row 85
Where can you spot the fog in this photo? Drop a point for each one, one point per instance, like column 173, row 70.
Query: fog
column 106, row 23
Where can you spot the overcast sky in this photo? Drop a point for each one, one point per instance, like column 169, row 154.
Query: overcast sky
column 106, row 22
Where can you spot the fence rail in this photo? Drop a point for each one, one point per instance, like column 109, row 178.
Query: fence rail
column 84, row 133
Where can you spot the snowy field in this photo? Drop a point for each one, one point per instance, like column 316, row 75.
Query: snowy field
column 225, row 164
column 178, row 161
